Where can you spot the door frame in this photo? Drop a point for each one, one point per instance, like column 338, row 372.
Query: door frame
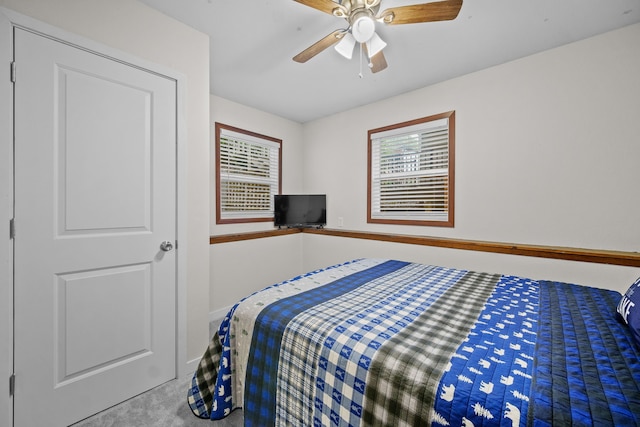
column 6, row 213
column 10, row 19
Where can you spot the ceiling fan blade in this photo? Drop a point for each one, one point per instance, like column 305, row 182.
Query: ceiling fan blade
column 326, row 6
column 377, row 62
column 319, row 46
column 427, row 12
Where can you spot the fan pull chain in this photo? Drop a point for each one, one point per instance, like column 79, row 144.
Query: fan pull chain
column 360, row 74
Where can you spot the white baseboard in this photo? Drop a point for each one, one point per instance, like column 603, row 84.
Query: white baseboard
column 192, row 365
column 214, row 316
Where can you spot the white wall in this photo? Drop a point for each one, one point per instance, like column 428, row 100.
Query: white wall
column 136, row 29
column 547, row 153
column 546, row 148
column 321, row 251
column 240, row 268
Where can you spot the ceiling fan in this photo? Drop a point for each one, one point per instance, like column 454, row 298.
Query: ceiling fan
column 362, row 16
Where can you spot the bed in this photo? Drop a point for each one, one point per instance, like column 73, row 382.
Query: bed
column 394, row 343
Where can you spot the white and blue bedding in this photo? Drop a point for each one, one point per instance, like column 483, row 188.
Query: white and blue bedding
column 385, row 342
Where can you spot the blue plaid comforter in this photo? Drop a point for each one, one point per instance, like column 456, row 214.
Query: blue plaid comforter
column 385, row 342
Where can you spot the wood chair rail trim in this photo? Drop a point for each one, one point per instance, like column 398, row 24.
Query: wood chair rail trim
column 623, row 258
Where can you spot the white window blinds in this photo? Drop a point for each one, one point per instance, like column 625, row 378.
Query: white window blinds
column 410, row 172
column 249, row 175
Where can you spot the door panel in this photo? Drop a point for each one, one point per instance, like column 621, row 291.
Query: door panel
column 95, row 195
column 115, row 131
column 85, row 303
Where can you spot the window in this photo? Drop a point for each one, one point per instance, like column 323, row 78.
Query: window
column 248, row 172
column 411, row 172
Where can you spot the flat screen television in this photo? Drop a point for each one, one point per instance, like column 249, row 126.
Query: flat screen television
column 300, row 210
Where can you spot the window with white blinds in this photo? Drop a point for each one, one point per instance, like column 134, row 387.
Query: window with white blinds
column 411, row 172
column 248, row 175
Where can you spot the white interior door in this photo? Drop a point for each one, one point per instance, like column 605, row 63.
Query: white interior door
column 95, row 196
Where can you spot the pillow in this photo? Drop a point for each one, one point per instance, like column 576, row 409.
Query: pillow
column 629, row 309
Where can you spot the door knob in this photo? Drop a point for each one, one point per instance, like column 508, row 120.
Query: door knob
column 166, row 246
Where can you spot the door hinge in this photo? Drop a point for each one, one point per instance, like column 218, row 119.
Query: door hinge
column 12, row 229
column 12, row 384
column 13, row 72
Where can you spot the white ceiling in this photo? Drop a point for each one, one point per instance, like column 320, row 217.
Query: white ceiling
column 252, row 43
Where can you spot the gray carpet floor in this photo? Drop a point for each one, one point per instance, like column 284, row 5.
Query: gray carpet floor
column 163, row 406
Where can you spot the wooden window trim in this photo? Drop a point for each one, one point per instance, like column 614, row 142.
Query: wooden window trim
column 451, row 172
column 218, row 130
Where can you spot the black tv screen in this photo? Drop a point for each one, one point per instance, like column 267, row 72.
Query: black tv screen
column 300, row 210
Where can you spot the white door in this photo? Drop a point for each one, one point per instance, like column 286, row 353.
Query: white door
column 95, row 197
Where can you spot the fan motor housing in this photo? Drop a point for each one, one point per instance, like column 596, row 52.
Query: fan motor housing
column 348, row 8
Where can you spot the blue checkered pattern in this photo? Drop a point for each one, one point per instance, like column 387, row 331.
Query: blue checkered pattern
column 304, row 338
column 349, row 348
column 262, row 366
column 215, row 382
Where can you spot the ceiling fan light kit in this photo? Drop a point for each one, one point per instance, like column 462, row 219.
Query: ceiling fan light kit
column 375, row 45
column 346, row 45
column 363, row 26
column 362, row 16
